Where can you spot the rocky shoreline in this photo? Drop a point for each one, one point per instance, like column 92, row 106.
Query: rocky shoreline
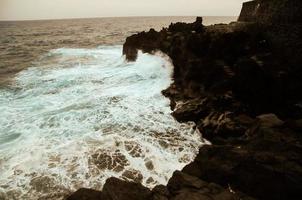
column 241, row 84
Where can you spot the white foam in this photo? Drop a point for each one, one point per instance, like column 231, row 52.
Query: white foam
column 79, row 108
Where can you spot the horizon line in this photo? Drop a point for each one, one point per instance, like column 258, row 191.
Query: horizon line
column 52, row 19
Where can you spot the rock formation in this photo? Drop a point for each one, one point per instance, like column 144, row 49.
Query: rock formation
column 241, row 84
column 272, row 12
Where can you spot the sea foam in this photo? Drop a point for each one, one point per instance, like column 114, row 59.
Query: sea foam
column 80, row 116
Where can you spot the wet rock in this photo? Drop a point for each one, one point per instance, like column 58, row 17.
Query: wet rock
column 133, row 175
column 42, row 183
column 225, row 119
column 116, row 189
column 150, row 180
column 131, row 53
column 151, row 42
column 191, row 110
column 217, row 126
column 133, row 149
column 85, row 194
column 181, row 180
column 115, row 161
column 149, row 165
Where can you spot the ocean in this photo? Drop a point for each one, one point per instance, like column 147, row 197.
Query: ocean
column 74, row 112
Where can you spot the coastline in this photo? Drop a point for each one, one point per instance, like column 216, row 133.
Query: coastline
column 240, row 84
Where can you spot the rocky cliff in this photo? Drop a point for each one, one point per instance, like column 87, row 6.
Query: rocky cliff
column 283, row 22
column 241, row 84
column 272, row 11
column 249, row 11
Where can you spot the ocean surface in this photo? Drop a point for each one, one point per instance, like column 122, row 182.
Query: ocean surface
column 74, row 112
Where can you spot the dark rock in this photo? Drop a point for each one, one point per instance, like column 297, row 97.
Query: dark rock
column 266, row 166
column 131, row 53
column 271, row 11
column 133, row 43
column 184, row 186
column 191, row 110
column 181, row 180
column 133, row 175
column 85, row 194
column 255, row 86
column 198, row 26
column 199, row 20
column 295, row 124
column 160, row 192
column 218, row 127
column 116, row 189
column 248, row 11
column 227, row 76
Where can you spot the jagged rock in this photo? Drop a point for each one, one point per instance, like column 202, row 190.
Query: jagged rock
column 191, row 110
column 220, row 127
column 266, row 165
column 236, row 57
column 151, row 41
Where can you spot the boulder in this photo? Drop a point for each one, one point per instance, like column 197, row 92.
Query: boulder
column 85, row 194
column 116, row 189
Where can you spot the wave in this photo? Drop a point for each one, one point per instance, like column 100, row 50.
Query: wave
column 83, row 115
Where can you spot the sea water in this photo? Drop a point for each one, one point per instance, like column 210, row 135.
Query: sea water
column 74, row 114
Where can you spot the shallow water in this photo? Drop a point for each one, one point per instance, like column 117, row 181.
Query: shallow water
column 78, row 114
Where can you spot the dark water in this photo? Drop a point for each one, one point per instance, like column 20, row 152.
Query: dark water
column 74, row 113
column 21, row 43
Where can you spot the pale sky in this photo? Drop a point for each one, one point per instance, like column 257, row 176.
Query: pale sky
column 58, row 9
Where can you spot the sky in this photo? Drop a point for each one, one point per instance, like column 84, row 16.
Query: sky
column 59, row 9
